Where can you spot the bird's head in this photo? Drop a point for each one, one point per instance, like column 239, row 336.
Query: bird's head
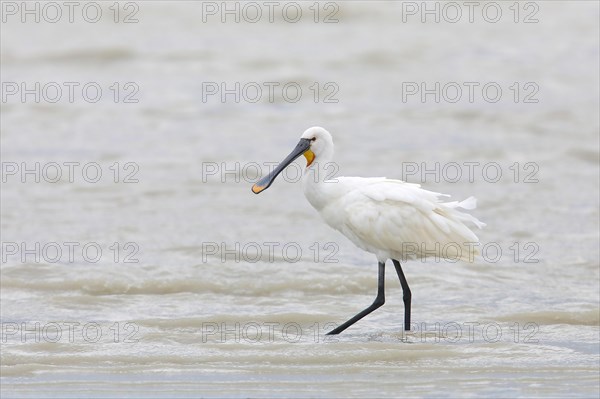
column 321, row 144
column 315, row 144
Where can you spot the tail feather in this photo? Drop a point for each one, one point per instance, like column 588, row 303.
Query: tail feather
column 468, row 204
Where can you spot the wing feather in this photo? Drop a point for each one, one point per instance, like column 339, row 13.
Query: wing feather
column 390, row 216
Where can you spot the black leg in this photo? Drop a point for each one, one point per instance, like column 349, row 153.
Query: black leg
column 406, row 294
column 379, row 301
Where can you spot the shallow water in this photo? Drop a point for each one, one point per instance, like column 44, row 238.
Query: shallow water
column 201, row 288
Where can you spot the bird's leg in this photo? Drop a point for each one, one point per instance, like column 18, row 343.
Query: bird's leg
column 406, row 294
column 379, row 301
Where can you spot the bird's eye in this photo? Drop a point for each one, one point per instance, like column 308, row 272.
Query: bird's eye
column 313, row 139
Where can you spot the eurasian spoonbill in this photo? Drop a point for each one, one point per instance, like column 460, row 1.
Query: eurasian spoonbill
column 389, row 218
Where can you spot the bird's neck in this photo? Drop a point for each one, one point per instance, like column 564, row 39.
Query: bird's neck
column 314, row 185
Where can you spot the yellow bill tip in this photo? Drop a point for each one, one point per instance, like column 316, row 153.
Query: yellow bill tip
column 257, row 189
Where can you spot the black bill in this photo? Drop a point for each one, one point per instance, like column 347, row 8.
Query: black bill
column 266, row 181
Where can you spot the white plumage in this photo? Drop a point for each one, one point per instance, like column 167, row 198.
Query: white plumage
column 389, row 218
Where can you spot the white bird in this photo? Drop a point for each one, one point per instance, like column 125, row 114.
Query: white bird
column 389, row 218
